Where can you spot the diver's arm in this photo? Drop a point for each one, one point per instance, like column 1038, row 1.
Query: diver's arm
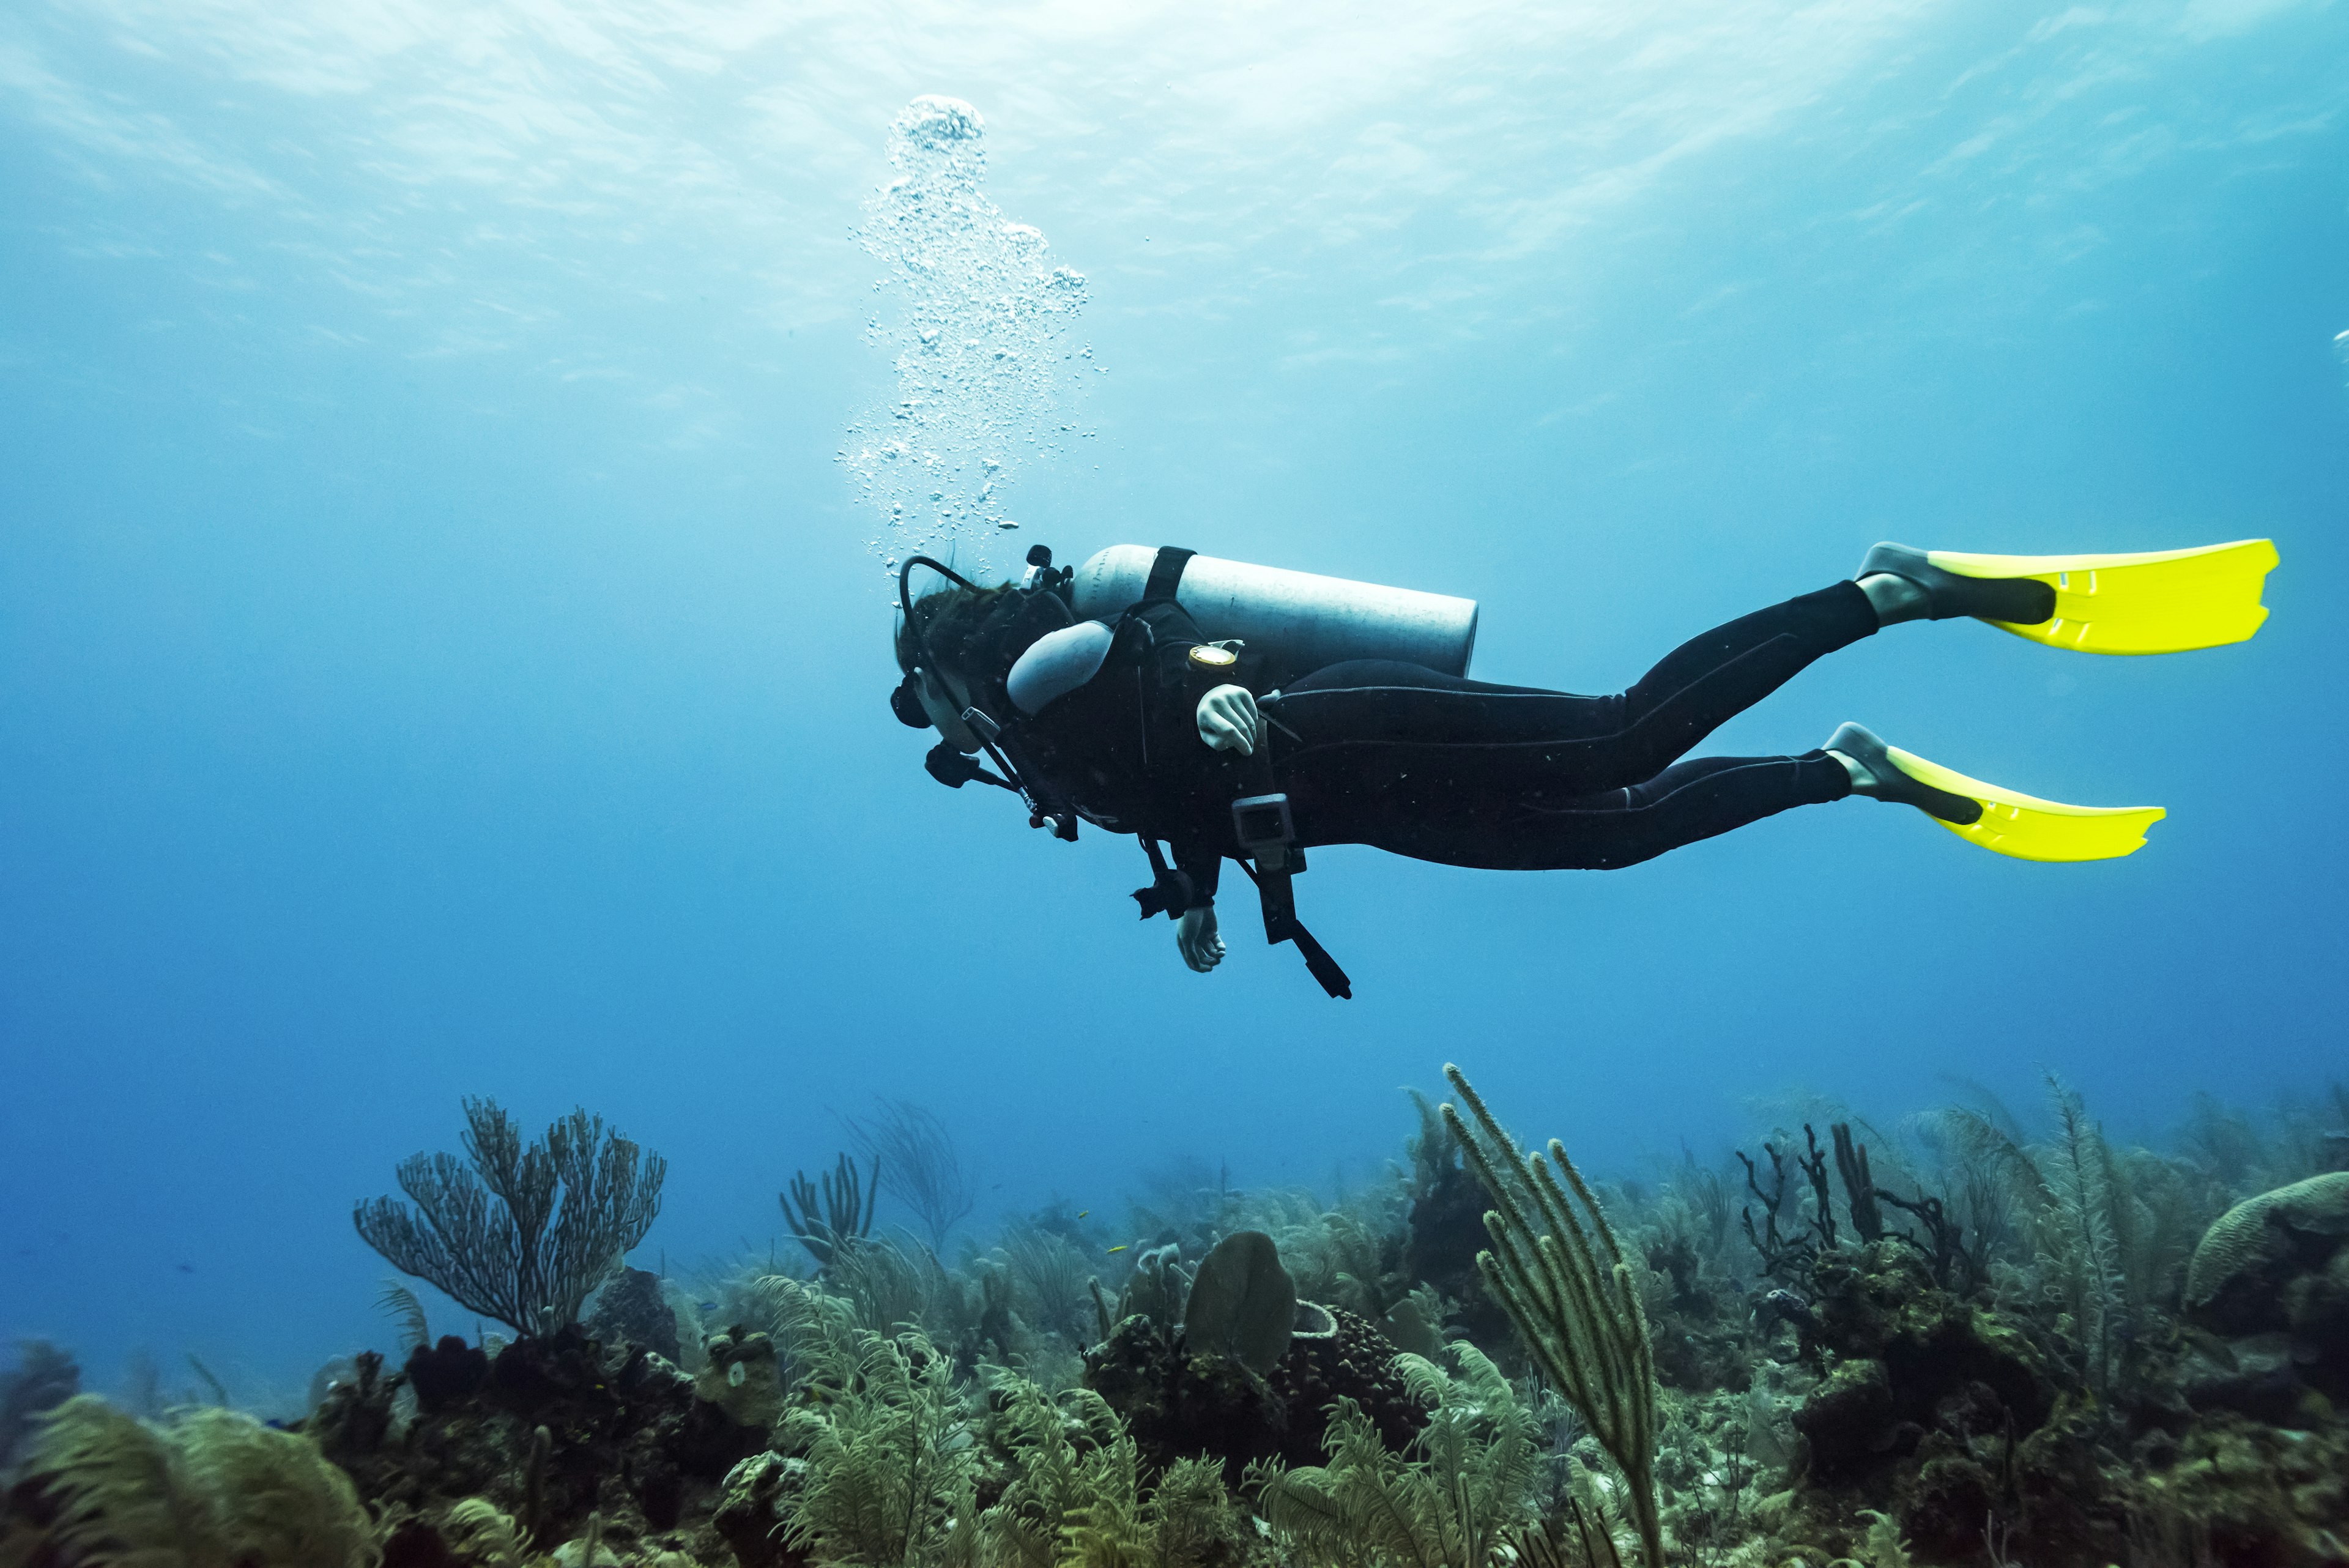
column 1195, row 936
column 1228, row 720
column 1201, row 863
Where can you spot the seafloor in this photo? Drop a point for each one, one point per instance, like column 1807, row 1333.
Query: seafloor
column 1953, row 1341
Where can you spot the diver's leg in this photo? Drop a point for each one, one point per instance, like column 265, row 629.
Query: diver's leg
column 1725, row 670
column 1501, row 828
column 1706, row 797
column 1566, row 744
column 1711, row 678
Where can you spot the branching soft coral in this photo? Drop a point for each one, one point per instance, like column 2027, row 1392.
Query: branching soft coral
column 210, row 1489
column 892, row 1468
column 1466, row 1485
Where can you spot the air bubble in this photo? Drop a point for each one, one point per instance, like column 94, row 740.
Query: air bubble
column 985, row 311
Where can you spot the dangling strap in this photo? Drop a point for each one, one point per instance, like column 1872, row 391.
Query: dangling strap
column 1169, row 893
column 1281, row 925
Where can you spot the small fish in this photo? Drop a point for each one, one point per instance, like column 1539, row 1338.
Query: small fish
column 706, row 1306
column 185, row 1268
column 1082, row 1212
column 1121, row 1247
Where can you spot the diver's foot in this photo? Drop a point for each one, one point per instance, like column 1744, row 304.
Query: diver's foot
column 1903, row 585
column 1990, row 816
column 1874, row 774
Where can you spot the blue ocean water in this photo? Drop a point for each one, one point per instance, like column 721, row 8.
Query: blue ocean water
column 445, row 635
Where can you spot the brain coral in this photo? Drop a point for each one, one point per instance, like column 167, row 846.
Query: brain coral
column 2237, row 1271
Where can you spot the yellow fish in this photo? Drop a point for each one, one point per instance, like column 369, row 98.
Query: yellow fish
column 1082, row 1212
column 1121, row 1247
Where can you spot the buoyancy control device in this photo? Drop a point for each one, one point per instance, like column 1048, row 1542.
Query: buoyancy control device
column 1291, row 622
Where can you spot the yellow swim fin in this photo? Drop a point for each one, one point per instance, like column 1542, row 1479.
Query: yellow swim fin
column 2029, row 828
column 2003, row 821
column 2163, row 601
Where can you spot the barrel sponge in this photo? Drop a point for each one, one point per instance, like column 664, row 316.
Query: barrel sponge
column 1243, row 1304
column 212, row 1486
column 2249, row 1241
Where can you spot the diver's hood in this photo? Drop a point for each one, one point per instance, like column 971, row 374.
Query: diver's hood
column 980, row 660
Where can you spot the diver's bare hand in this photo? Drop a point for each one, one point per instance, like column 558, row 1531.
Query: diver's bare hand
column 1228, row 721
column 1194, row 933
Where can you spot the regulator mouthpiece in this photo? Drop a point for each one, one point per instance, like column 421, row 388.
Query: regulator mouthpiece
column 905, row 701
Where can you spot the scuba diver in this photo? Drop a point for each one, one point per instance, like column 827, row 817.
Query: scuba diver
column 1242, row 713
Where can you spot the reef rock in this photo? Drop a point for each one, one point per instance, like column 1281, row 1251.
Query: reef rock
column 1944, row 1358
column 631, row 1309
column 1178, row 1404
column 446, row 1374
column 749, row 1514
column 2275, row 1499
column 625, row 1437
column 743, row 1377
column 1940, row 1410
column 1849, row 1420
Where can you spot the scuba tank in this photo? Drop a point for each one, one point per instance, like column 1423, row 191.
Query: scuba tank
column 1293, row 622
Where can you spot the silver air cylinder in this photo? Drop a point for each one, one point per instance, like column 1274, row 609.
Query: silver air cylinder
column 1293, row 622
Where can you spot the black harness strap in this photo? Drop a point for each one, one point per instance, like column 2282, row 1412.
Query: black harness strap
column 1165, row 572
column 1170, row 892
column 1276, row 887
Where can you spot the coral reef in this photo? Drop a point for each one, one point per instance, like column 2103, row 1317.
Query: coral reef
column 625, row 1437
column 1950, row 1342
column 1181, row 1405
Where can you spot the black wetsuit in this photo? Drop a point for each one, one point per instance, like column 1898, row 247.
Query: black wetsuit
column 1439, row 768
